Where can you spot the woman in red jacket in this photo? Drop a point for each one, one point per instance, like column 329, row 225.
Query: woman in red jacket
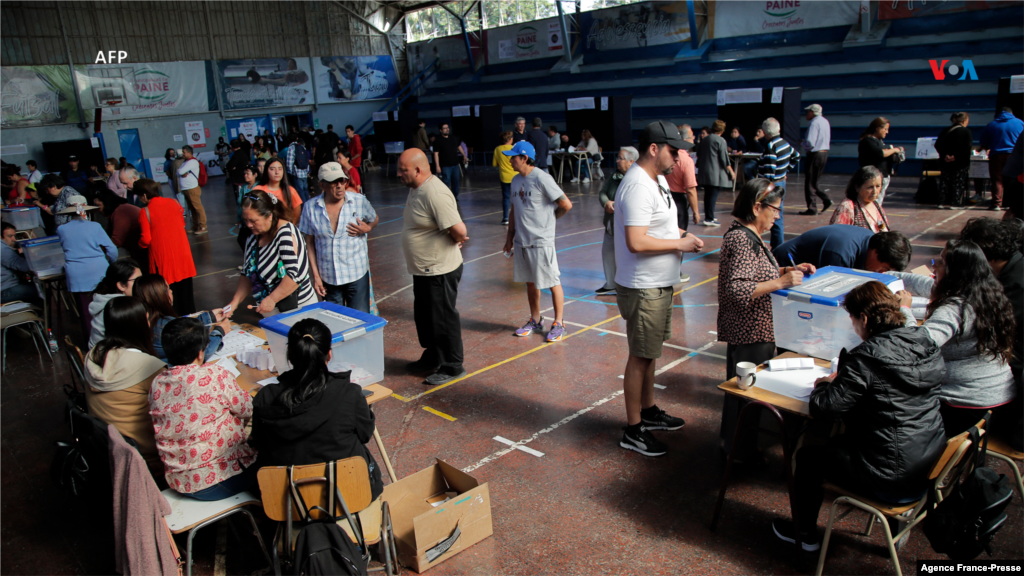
column 163, row 232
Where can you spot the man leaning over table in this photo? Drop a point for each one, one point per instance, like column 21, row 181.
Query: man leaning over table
column 335, row 225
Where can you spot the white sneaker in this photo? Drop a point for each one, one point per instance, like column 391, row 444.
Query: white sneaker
column 711, row 224
column 585, row 181
column 574, row 180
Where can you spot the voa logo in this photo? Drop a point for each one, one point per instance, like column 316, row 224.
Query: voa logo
column 939, row 70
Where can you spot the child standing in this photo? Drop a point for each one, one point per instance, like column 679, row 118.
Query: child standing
column 537, row 202
column 505, row 173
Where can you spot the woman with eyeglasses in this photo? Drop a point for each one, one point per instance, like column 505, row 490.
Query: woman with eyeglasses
column 747, row 274
column 163, row 232
column 275, row 268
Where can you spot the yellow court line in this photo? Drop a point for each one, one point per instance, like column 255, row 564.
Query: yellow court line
column 400, row 397
column 532, row 350
column 439, row 413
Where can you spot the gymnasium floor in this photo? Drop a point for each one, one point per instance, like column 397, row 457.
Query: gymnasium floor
column 586, row 505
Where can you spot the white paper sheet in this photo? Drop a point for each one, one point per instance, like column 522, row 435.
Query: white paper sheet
column 268, row 381
column 229, row 365
column 781, row 364
column 796, row 384
column 234, row 342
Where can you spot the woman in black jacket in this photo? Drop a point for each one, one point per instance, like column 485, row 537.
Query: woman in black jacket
column 954, row 147
column 886, row 393
column 873, row 151
column 312, row 415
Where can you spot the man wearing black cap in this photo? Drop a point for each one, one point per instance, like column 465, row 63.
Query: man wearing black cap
column 648, row 251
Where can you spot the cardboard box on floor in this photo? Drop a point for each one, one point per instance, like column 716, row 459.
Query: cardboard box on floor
column 426, row 534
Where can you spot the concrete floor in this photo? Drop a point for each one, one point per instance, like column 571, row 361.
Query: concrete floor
column 587, row 505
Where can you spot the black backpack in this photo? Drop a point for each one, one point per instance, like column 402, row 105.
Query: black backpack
column 965, row 523
column 322, row 546
column 301, row 157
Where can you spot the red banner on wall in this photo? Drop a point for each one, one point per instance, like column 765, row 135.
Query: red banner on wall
column 895, row 9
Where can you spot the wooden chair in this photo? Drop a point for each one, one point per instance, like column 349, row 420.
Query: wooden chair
column 189, row 515
column 351, row 495
column 944, row 476
column 29, row 320
column 1001, row 450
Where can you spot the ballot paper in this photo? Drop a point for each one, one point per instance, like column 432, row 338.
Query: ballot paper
column 236, row 341
column 267, row 381
column 797, row 384
column 229, row 365
column 780, row 364
column 358, row 375
column 919, row 307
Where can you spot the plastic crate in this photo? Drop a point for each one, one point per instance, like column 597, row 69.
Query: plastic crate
column 357, row 339
column 43, row 254
column 22, row 218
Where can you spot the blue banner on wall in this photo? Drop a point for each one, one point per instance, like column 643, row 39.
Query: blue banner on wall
column 350, row 78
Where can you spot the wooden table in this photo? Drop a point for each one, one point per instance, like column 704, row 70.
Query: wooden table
column 248, row 378
column 758, row 397
column 563, row 156
column 737, row 161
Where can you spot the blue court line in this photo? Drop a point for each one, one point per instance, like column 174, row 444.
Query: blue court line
column 388, row 221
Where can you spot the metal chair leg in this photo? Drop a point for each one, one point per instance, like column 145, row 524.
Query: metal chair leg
column 1013, row 467
column 828, row 536
column 259, row 537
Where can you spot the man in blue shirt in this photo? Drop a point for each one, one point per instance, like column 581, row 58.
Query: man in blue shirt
column 848, row 247
column 999, row 138
column 74, row 177
column 539, row 140
column 12, row 268
column 335, row 225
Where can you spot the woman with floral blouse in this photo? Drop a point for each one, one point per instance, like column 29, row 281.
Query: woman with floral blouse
column 747, row 274
column 861, row 207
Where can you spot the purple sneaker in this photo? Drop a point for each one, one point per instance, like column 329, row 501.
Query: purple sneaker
column 530, row 326
column 556, row 333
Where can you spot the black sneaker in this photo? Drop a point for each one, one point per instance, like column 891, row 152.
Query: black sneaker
column 643, row 442
column 655, row 418
column 442, row 378
column 784, row 531
column 808, row 212
column 602, row 291
column 427, row 363
column 826, row 206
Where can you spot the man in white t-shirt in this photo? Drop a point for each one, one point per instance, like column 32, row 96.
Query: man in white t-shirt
column 537, row 202
column 188, row 184
column 34, row 175
column 648, row 251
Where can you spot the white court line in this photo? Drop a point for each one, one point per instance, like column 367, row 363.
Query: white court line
column 530, row 451
column 929, row 229
column 492, row 457
column 403, row 288
column 666, row 344
column 660, row 387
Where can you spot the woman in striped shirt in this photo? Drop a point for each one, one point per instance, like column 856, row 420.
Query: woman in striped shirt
column 275, row 268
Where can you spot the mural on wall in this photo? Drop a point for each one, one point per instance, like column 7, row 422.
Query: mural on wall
column 895, row 9
column 268, row 82
column 36, row 95
column 144, row 90
column 635, row 26
column 450, row 51
column 350, row 78
column 742, row 18
column 526, row 41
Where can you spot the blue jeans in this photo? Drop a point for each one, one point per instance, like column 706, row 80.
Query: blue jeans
column 300, row 186
column 778, row 233
column 451, row 175
column 506, row 200
column 355, row 295
column 584, row 168
column 750, row 169
column 240, row 482
column 25, row 292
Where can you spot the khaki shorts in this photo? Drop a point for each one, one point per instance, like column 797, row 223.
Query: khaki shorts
column 648, row 315
column 537, row 265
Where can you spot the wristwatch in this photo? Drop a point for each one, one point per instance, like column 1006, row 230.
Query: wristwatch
column 685, row 232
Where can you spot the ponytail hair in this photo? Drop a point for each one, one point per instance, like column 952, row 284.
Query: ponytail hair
column 309, row 343
column 878, row 304
column 119, row 272
column 265, row 205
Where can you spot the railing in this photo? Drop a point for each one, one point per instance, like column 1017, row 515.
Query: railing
column 409, row 89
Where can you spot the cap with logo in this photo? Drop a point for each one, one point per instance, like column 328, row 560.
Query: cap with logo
column 72, row 157
column 663, row 132
column 331, row 172
column 522, row 148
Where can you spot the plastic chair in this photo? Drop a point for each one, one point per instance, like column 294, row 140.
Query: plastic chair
column 189, row 515
column 944, row 475
column 1001, row 450
column 351, row 495
column 35, row 329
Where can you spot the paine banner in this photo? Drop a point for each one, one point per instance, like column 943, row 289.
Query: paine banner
column 350, row 78
column 635, row 26
column 266, row 82
column 895, row 9
column 740, row 18
column 143, row 90
column 36, row 95
column 527, row 41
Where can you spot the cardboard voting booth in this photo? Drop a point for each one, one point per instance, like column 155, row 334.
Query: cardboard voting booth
column 437, row 513
column 810, row 318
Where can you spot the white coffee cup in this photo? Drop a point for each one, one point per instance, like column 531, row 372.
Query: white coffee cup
column 746, row 375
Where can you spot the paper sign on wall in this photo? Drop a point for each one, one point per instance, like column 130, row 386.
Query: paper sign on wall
column 178, row 137
column 234, row 133
column 740, row 96
column 380, row 116
column 926, row 149
column 396, row 115
column 476, row 110
column 580, row 103
column 195, row 135
column 506, row 49
column 248, row 129
column 1016, row 84
column 459, row 111
column 604, row 102
column 777, row 95
column 554, row 36
column 721, row 98
column 95, row 142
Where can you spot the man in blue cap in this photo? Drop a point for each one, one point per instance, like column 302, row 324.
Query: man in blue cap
column 537, row 201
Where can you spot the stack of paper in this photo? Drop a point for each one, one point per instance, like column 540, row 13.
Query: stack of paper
column 791, row 364
column 236, row 341
column 797, row 384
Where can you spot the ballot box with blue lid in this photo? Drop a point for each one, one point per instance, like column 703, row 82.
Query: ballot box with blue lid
column 357, row 339
column 24, row 218
column 45, row 255
column 810, row 318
